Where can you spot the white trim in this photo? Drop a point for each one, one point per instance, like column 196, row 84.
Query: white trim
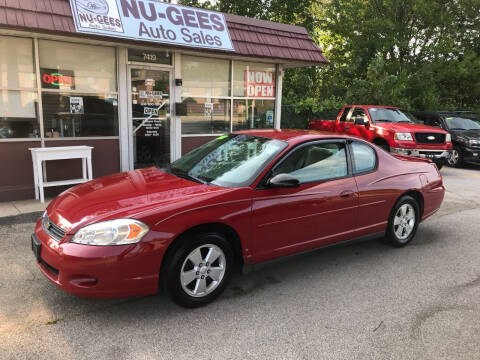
column 253, row 98
column 231, row 94
column 36, row 58
column 19, row 139
column 76, row 91
column 177, row 120
column 139, row 63
column 19, row 89
column 83, row 138
column 206, row 97
column 123, row 118
column 200, row 135
column 278, row 102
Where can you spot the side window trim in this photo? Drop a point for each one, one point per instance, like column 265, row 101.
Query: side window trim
column 349, row 115
column 262, row 184
column 345, row 112
column 352, row 159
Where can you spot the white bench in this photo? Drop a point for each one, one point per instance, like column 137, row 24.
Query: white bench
column 59, row 153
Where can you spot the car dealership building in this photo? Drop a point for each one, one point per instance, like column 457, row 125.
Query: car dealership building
column 141, row 81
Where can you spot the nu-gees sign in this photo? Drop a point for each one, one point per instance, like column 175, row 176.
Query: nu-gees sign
column 151, row 20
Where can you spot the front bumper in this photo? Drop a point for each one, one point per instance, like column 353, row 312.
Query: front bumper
column 423, row 153
column 98, row 271
column 471, row 154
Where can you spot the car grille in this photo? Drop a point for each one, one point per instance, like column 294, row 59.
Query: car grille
column 429, row 138
column 55, row 232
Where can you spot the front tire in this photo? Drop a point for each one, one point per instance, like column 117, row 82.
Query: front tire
column 455, row 159
column 199, row 270
column 403, row 222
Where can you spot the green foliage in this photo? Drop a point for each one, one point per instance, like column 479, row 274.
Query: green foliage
column 418, row 54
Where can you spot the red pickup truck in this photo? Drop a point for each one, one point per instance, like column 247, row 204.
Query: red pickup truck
column 391, row 128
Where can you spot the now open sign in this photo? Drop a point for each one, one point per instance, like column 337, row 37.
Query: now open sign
column 259, row 83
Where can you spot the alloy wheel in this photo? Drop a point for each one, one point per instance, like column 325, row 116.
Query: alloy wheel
column 203, row 270
column 454, row 157
column 404, row 221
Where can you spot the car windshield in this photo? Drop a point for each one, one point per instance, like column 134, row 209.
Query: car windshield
column 458, row 123
column 229, row 161
column 391, row 115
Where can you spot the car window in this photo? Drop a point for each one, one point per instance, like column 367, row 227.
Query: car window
column 316, row 162
column 344, row 114
column 358, row 112
column 364, row 157
column 230, row 161
column 458, row 123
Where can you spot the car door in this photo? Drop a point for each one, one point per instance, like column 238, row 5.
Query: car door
column 361, row 131
column 321, row 210
column 374, row 201
column 344, row 123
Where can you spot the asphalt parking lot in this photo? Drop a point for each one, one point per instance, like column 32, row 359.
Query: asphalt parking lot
column 364, row 301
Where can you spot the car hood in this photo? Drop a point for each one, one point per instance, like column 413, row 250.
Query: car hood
column 471, row 134
column 124, row 194
column 404, row 127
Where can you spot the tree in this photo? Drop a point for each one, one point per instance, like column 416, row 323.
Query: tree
column 419, row 54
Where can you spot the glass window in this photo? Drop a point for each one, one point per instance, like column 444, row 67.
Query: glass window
column 18, row 99
column 76, row 115
column 79, row 89
column 316, row 162
column 458, row 123
column 364, row 157
column 345, row 114
column 87, row 68
column 205, row 77
column 231, row 161
column 17, row 68
column 205, row 116
column 253, row 80
column 391, row 115
column 357, row 112
column 253, row 114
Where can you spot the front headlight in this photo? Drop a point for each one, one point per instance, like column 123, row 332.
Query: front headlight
column 112, row 232
column 473, row 142
column 448, row 138
column 403, row 136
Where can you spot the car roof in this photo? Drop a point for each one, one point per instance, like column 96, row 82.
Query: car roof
column 375, row 106
column 294, row 136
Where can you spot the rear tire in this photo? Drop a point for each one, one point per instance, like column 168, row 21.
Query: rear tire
column 403, row 222
column 199, row 270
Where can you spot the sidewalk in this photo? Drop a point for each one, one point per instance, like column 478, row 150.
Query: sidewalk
column 20, row 207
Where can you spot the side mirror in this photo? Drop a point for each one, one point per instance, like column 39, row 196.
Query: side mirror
column 360, row 120
column 283, row 180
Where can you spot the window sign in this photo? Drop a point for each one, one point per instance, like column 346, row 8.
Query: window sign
column 57, row 79
column 148, row 56
column 259, row 84
column 151, row 20
column 76, row 105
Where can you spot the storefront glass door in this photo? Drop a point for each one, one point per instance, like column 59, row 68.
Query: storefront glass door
column 150, row 116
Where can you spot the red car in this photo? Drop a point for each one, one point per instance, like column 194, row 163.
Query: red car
column 237, row 201
column 391, row 128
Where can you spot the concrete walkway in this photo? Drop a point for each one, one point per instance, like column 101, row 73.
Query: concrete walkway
column 20, row 207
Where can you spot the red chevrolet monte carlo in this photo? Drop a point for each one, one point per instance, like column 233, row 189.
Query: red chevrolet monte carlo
column 234, row 202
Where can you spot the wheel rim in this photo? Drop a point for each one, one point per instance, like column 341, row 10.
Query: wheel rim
column 404, row 221
column 453, row 158
column 203, row 270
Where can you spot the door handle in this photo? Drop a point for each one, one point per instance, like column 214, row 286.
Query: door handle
column 347, row 127
column 346, row 194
